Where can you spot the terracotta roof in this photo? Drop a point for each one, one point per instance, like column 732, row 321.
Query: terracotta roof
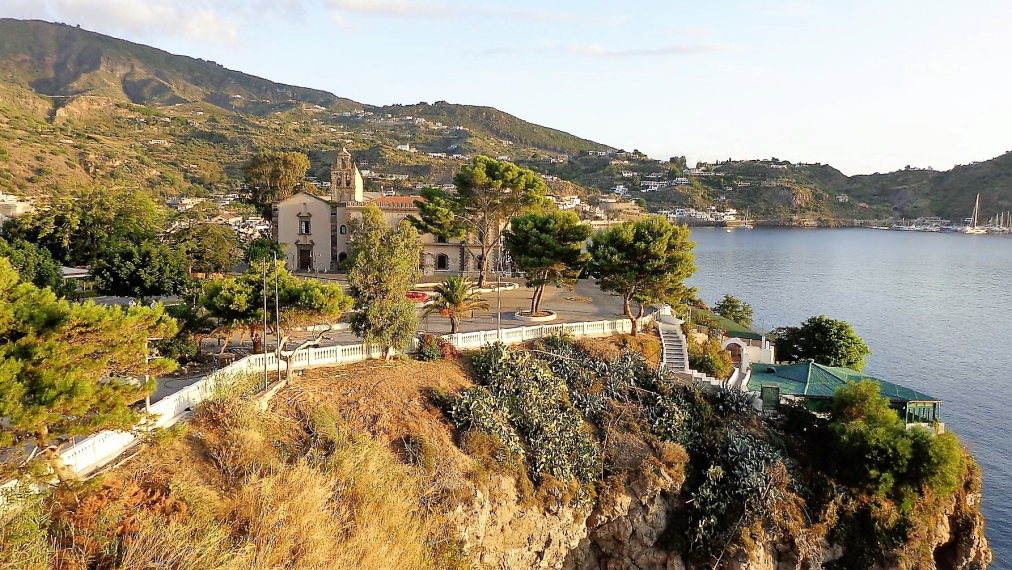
column 397, row 201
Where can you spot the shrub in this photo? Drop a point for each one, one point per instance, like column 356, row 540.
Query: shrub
column 737, row 489
column 182, row 348
column 874, row 451
column 710, row 359
column 433, row 348
column 24, row 520
column 526, row 406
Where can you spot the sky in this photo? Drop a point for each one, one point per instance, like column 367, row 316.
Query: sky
column 864, row 85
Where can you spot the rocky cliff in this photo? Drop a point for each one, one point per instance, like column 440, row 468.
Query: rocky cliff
column 559, row 456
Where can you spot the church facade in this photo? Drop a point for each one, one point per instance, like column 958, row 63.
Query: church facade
column 315, row 230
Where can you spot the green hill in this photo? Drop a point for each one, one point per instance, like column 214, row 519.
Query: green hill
column 77, row 107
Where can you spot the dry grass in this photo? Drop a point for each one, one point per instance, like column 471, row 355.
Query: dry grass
column 323, row 480
column 608, row 348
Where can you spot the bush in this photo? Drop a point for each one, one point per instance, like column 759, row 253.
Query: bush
column 874, row 451
column 433, row 348
column 526, row 406
column 24, row 519
column 733, row 308
column 182, row 348
column 710, row 359
column 737, row 489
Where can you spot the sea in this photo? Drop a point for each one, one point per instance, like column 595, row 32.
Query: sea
column 935, row 308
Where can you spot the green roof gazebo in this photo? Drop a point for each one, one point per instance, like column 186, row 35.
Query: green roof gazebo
column 816, row 384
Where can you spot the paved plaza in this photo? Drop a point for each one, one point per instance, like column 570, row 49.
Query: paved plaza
column 586, row 302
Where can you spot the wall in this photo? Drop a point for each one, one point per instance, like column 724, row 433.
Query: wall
column 288, row 229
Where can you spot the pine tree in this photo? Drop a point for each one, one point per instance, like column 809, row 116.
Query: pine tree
column 646, row 261
column 490, row 193
column 70, row 369
column 549, row 249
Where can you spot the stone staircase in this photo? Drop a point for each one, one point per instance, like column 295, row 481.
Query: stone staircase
column 675, row 357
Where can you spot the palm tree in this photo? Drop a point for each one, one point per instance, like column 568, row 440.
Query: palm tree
column 454, row 298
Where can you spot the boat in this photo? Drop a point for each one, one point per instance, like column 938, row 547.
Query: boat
column 746, row 225
column 973, row 229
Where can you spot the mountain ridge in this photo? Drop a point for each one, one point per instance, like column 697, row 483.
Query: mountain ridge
column 108, row 99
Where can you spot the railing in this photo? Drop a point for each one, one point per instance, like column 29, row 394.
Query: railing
column 94, row 452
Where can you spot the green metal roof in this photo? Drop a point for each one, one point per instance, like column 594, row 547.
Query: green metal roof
column 733, row 329
column 818, row 381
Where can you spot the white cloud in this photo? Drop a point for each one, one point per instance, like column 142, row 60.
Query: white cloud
column 438, row 9
column 197, row 19
column 393, row 7
column 597, row 50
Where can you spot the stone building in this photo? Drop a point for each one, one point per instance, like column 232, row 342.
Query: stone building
column 314, row 230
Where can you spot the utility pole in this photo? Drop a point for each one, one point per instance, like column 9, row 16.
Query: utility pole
column 498, row 295
column 267, row 381
column 277, row 314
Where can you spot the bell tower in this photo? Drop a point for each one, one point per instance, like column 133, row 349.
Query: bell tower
column 345, row 179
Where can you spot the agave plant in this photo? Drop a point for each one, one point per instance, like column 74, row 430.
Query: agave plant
column 454, row 298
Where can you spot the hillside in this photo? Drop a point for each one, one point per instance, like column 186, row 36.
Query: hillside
column 85, row 108
column 780, row 189
column 571, row 456
column 80, row 108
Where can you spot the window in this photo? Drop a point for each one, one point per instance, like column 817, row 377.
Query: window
column 344, row 230
column 441, row 239
column 303, row 227
column 442, row 262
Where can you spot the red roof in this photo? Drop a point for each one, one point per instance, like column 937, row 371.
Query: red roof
column 397, row 201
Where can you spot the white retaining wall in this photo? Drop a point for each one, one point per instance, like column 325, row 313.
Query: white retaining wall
column 93, row 453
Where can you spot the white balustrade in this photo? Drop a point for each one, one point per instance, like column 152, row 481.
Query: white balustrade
column 94, row 452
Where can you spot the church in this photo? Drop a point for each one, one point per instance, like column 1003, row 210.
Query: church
column 314, row 229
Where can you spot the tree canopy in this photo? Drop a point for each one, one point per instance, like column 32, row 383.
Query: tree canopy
column 384, row 267
column 208, row 247
column 70, row 369
column 646, row 261
column 34, row 264
column 489, row 194
column 238, row 302
column 82, row 225
column 733, row 308
column 261, row 249
column 826, row 341
column 141, row 270
column 873, row 449
column 272, row 176
column 549, row 249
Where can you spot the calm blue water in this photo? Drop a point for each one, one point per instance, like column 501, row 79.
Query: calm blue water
column 936, row 310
